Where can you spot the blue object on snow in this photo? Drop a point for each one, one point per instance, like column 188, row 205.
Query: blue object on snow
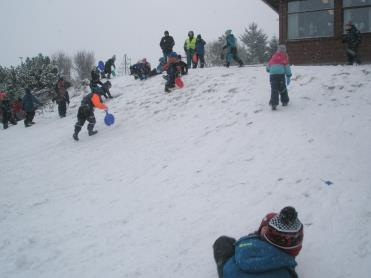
column 109, row 119
column 100, row 66
column 327, row 182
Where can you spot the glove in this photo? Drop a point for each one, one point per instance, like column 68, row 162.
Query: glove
column 288, row 80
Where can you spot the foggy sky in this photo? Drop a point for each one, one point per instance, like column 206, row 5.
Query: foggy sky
column 109, row 27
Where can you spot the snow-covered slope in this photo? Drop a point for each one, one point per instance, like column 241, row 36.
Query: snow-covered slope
column 148, row 196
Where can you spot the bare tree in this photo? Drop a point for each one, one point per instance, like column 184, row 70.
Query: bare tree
column 63, row 63
column 83, row 64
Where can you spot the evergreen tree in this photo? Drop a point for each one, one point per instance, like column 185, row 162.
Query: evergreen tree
column 272, row 46
column 255, row 41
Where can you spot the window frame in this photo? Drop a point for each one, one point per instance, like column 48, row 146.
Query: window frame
column 368, row 6
column 308, row 12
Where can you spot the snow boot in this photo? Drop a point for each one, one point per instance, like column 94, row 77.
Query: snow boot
column 75, row 137
column 284, row 104
column 92, row 132
column 274, row 107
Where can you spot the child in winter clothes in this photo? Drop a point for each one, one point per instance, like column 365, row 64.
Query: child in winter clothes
column 62, row 97
column 182, row 66
column 268, row 253
column 7, row 112
column 279, row 69
column 86, row 112
column 172, row 71
column 200, row 51
column 29, row 108
column 231, row 46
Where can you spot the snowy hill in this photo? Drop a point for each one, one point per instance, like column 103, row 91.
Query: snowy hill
column 148, row 196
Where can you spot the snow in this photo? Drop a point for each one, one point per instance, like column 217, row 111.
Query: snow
column 148, row 196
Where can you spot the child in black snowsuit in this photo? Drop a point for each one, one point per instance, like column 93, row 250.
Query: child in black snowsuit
column 108, row 66
column 7, row 113
column 86, row 113
column 29, row 107
column 183, row 66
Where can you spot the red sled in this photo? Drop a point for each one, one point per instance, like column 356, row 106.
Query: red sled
column 195, row 58
column 179, row 82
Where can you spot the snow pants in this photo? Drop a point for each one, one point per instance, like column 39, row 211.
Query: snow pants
column 223, row 249
column 190, row 53
column 29, row 117
column 62, row 108
column 85, row 113
column 7, row 117
column 232, row 54
column 278, row 88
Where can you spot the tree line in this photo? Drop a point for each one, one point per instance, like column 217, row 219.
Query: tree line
column 41, row 73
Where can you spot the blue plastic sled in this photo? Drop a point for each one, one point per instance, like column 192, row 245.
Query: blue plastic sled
column 109, row 119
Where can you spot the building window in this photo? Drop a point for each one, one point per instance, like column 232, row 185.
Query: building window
column 359, row 13
column 310, row 19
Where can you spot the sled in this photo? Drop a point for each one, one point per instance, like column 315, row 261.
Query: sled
column 109, row 119
column 195, row 58
column 179, row 82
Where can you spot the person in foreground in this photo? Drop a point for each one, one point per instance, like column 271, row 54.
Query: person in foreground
column 267, row 253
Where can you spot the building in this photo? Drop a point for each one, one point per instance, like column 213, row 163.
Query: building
column 313, row 29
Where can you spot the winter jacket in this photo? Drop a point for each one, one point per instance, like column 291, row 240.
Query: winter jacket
column 93, row 100
column 61, row 92
column 279, row 64
column 200, row 46
column 353, row 37
column 108, row 65
column 29, row 100
column 256, row 258
column 231, row 41
column 190, row 43
column 167, row 43
column 5, row 106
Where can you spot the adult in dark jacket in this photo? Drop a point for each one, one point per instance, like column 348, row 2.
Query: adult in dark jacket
column 353, row 39
column 29, row 107
column 62, row 97
column 268, row 253
column 7, row 113
column 167, row 43
column 86, row 112
column 108, row 66
column 200, row 51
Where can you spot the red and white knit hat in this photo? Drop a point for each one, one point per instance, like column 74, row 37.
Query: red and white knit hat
column 285, row 230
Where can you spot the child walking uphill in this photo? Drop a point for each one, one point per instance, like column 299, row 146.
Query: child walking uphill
column 86, row 112
column 279, row 68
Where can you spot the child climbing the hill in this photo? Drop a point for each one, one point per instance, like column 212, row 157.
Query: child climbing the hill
column 280, row 74
column 86, row 112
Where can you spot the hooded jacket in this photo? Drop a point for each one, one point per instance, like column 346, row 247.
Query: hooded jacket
column 256, row 258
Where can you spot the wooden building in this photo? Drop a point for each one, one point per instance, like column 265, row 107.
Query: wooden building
column 313, row 29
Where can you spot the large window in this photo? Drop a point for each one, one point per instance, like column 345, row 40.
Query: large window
column 310, row 19
column 359, row 13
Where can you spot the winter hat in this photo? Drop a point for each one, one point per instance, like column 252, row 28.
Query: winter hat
column 191, row 34
column 198, row 36
column 173, row 54
column 166, row 33
column 282, row 48
column 285, row 230
column 228, row 32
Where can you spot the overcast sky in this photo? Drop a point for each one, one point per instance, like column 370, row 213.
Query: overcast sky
column 109, row 27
